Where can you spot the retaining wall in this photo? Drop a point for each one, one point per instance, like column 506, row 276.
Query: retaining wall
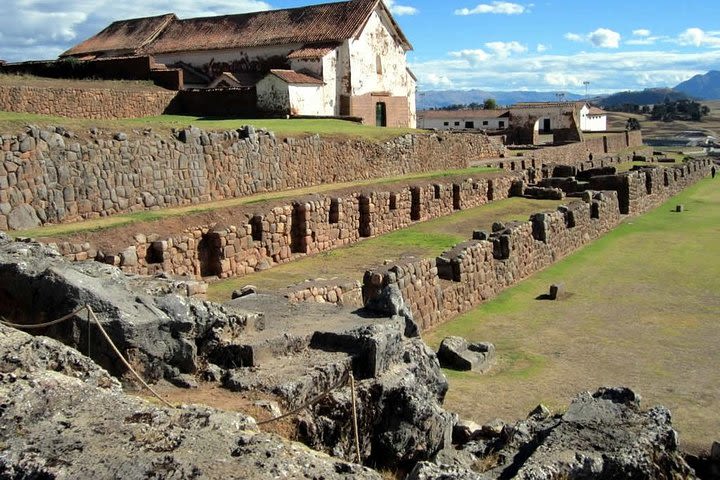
column 95, row 103
column 261, row 239
column 477, row 270
column 50, row 176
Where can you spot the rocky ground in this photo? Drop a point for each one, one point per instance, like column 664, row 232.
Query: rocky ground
column 63, row 416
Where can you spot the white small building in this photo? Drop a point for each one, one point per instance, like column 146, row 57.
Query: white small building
column 592, row 119
column 497, row 119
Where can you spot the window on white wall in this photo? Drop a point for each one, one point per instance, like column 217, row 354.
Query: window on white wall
column 378, row 64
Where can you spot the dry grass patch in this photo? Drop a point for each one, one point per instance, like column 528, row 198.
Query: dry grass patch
column 643, row 313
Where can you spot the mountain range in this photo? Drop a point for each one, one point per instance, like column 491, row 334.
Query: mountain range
column 701, row 87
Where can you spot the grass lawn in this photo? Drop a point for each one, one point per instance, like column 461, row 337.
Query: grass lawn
column 11, row 122
column 149, row 216
column 643, row 312
column 427, row 239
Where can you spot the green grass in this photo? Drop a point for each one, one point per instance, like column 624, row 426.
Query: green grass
column 115, row 221
column 643, row 312
column 423, row 240
column 11, row 122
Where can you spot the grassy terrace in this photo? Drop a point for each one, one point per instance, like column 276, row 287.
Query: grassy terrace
column 643, row 312
column 155, row 215
column 427, row 239
column 11, row 122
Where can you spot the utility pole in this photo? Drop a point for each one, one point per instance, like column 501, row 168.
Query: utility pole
column 586, row 83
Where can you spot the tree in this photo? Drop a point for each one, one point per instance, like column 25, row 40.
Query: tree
column 489, row 104
column 632, row 124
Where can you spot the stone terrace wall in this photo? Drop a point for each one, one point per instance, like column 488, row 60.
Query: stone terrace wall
column 96, row 103
column 605, row 149
column 477, row 270
column 46, row 177
column 260, row 240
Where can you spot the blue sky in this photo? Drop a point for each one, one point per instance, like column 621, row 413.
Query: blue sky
column 459, row 44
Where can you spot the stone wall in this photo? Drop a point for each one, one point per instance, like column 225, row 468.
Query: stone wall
column 338, row 291
column 611, row 147
column 259, row 239
column 477, row 270
column 96, row 103
column 51, row 176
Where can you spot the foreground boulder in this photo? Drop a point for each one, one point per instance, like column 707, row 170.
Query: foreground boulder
column 62, row 416
column 150, row 319
column 603, row 435
column 457, row 353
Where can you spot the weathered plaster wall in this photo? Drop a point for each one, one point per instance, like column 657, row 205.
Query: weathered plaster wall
column 273, row 96
column 46, row 177
column 214, row 62
column 477, row 270
column 309, row 100
column 390, row 78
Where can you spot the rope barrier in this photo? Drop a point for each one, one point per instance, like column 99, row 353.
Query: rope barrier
column 354, row 418
column 90, row 313
column 309, row 403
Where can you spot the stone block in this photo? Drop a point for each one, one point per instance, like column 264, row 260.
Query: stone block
column 557, row 291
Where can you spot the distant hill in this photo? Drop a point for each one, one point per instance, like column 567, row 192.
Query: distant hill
column 443, row 98
column 706, row 87
column 643, row 97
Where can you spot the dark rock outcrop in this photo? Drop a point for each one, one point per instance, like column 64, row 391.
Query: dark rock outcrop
column 62, row 416
column 161, row 331
column 603, row 435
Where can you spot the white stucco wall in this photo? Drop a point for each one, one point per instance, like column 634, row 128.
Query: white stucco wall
column 375, row 40
column 273, row 95
column 592, row 123
column 308, row 100
column 439, row 123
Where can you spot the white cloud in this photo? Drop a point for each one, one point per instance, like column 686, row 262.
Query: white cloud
column 504, row 49
column 574, row 37
column 641, row 32
column 602, row 38
column 698, row 38
column 541, row 48
column 473, row 57
column 42, row 29
column 437, row 80
column 400, row 9
column 607, row 70
column 503, row 8
column 605, row 38
column 560, row 79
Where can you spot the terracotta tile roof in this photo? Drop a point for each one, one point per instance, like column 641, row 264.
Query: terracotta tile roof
column 313, row 51
column 329, row 22
column 291, row 76
column 124, row 37
column 479, row 113
column 596, row 111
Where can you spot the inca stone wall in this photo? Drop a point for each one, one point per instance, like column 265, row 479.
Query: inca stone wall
column 477, row 270
column 51, row 176
column 257, row 240
column 95, row 103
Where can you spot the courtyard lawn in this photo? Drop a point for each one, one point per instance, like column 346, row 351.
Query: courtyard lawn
column 427, row 239
column 643, row 312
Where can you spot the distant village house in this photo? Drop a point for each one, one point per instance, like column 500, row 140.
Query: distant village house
column 334, row 59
